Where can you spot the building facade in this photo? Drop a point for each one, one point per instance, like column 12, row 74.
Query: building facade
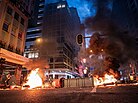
column 57, row 26
column 14, row 16
column 61, row 26
column 34, row 30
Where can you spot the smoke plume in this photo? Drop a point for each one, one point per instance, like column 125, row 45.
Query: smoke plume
column 115, row 41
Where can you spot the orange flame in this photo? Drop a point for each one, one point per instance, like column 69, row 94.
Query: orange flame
column 107, row 79
column 34, row 80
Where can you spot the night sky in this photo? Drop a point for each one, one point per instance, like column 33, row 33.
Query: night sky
column 85, row 8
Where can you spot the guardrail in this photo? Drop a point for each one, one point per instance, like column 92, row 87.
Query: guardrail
column 78, row 82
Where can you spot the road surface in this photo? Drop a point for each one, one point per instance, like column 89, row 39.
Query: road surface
column 117, row 94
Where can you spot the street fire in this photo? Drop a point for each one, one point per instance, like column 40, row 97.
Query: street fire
column 33, row 80
column 106, row 79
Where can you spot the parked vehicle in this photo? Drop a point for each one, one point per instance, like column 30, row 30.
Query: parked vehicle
column 58, row 75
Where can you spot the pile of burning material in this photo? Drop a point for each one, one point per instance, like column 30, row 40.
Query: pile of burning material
column 47, row 85
column 109, row 77
column 54, row 83
column 33, row 80
column 36, row 80
column 105, row 80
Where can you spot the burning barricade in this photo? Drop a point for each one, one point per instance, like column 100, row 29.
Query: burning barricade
column 105, row 80
column 33, row 80
column 108, row 78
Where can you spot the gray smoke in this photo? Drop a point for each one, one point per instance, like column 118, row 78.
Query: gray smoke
column 117, row 43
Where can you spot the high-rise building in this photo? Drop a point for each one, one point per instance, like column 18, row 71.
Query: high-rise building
column 57, row 26
column 34, row 31
column 61, row 26
column 13, row 25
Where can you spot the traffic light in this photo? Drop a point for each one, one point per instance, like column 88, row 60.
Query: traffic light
column 79, row 39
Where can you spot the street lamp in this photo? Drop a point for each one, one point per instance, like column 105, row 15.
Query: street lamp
column 102, row 50
column 91, row 51
column 39, row 40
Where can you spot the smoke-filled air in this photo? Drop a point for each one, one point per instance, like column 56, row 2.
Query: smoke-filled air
column 116, row 44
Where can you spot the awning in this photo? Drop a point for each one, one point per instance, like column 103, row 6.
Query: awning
column 13, row 57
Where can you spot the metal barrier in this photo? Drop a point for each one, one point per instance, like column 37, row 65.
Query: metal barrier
column 78, row 82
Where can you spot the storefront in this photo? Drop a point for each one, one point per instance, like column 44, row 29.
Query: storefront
column 11, row 61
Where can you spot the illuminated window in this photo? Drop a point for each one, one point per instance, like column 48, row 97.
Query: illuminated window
column 39, row 22
column 36, row 55
column 59, row 6
column 33, row 30
column 63, row 6
column 29, row 55
column 40, row 16
column 40, row 10
column 33, row 55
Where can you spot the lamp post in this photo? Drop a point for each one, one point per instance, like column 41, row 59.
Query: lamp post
column 38, row 40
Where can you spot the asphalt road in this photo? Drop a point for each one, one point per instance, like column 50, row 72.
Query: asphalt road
column 118, row 94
